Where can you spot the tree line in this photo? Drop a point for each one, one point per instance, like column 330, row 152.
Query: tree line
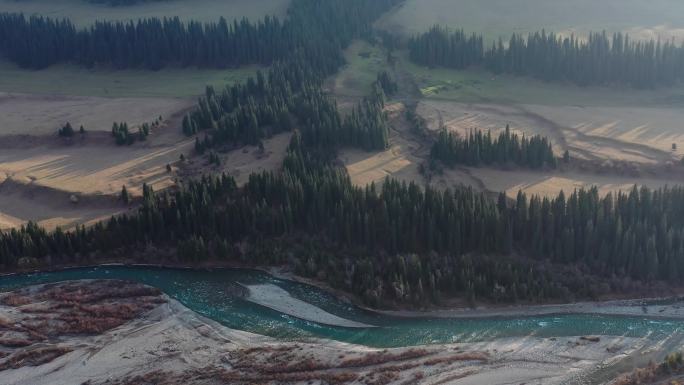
column 311, row 28
column 38, row 42
column 388, row 243
column 480, row 148
column 598, row 60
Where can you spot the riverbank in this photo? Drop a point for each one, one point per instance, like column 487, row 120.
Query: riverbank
column 171, row 344
column 652, row 307
column 666, row 307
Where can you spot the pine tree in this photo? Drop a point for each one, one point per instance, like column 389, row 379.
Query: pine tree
column 67, row 131
column 124, row 196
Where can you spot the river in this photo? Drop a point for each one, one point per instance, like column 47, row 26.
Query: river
column 213, row 294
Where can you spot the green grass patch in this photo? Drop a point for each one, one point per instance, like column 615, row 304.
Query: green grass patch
column 73, row 80
column 477, row 86
column 364, row 61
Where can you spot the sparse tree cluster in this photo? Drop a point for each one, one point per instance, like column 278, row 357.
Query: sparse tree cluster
column 597, row 60
column 387, row 83
column 123, row 135
column 66, row 131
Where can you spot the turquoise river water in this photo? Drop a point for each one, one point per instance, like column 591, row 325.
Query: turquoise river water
column 209, row 294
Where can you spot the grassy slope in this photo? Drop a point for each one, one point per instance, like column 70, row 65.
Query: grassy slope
column 496, row 18
column 83, row 13
column 72, row 80
column 477, row 86
column 364, row 61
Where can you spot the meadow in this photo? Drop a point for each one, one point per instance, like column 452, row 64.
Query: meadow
column 607, row 125
column 364, row 62
column 479, row 86
column 501, row 18
column 34, row 104
column 73, row 80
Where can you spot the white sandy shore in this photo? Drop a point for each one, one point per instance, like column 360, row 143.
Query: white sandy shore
column 172, row 338
column 673, row 309
column 275, row 298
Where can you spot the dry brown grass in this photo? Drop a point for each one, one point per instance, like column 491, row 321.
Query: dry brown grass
column 15, row 342
column 155, row 377
column 47, row 314
column 33, row 357
column 383, row 357
column 455, row 377
column 73, row 308
column 669, row 372
column 456, row 358
column 289, row 364
column 638, row 376
column 383, row 378
column 296, row 364
column 13, row 299
column 235, row 377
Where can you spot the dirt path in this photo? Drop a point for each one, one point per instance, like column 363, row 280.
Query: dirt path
column 558, row 130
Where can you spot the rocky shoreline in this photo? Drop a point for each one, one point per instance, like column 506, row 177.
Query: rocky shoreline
column 134, row 334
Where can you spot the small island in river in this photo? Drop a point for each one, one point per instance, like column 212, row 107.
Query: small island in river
column 123, row 332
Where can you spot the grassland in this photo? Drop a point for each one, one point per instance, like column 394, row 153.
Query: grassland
column 364, row 61
column 72, row 80
column 83, row 13
column 479, row 86
column 33, row 104
column 602, row 124
column 593, row 122
column 496, row 18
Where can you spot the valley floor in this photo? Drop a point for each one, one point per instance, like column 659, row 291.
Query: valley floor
column 171, row 344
